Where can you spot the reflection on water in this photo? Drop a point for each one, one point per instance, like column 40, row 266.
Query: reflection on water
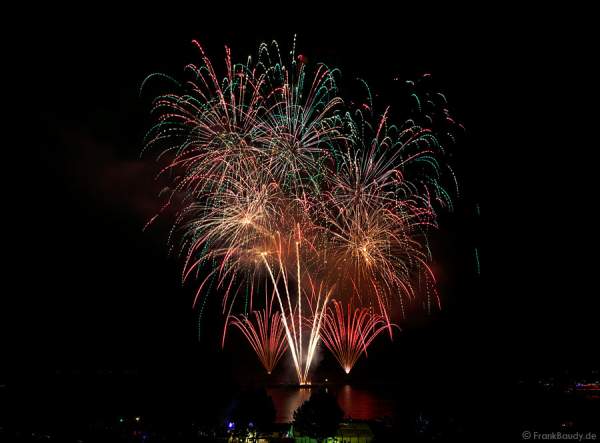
column 358, row 403
column 287, row 400
column 364, row 404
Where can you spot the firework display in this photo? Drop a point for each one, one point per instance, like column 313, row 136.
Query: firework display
column 283, row 189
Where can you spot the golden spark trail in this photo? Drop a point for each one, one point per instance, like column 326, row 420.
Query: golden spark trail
column 283, row 316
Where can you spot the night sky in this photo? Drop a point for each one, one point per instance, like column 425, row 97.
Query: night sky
column 96, row 294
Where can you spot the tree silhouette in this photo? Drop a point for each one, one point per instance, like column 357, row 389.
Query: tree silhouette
column 319, row 417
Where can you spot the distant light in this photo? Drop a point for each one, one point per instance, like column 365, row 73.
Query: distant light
column 121, row 420
column 251, row 424
column 137, row 419
column 230, row 425
column 326, row 380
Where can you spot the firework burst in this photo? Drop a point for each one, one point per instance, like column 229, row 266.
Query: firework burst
column 277, row 179
column 265, row 332
column 348, row 334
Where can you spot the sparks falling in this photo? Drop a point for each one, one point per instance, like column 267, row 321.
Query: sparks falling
column 348, row 334
column 265, row 332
